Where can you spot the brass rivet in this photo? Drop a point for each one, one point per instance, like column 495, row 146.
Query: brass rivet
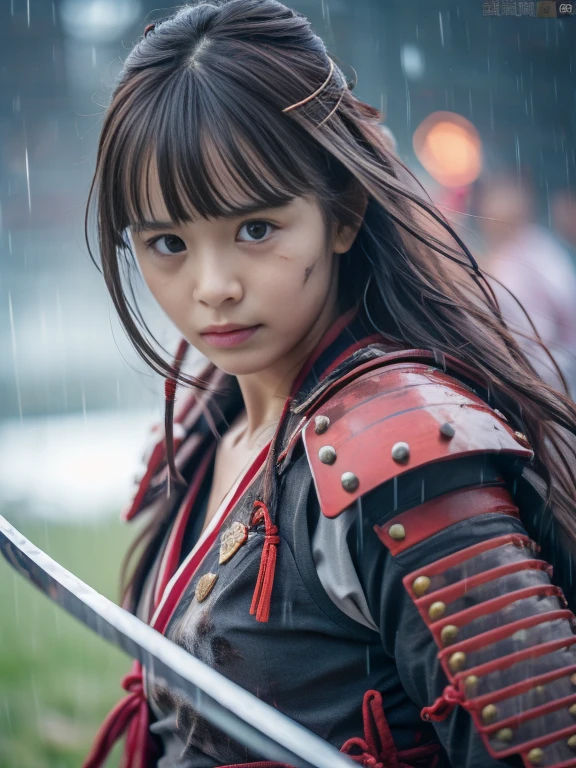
column 321, row 424
column 457, row 661
column 447, row 430
column 421, row 585
column 437, row 610
column 572, row 710
column 572, row 742
column 448, row 634
column 327, row 454
column 535, row 756
column 231, row 541
column 205, row 586
column 573, row 679
column 539, row 689
column 489, row 714
column 471, row 681
column 349, row 482
column 505, row 734
column 397, row 532
column 400, row 452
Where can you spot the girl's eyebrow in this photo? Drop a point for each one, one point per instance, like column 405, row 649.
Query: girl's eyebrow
column 245, row 210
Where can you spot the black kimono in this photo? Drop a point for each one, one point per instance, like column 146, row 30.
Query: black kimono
column 395, row 604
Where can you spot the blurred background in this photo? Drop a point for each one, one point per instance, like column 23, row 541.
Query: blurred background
column 479, row 98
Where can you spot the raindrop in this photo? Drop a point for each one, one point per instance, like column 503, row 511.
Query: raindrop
column 441, row 29
column 359, row 527
column 28, row 179
column 14, row 355
column 16, row 579
column 8, row 716
column 34, row 686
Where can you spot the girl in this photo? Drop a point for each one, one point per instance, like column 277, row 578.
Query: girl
column 353, row 513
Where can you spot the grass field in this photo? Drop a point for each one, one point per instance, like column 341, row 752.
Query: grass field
column 57, row 678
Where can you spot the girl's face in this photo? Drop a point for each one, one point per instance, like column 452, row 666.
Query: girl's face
column 273, row 270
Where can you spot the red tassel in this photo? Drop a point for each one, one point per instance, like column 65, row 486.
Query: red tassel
column 444, row 705
column 263, row 591
column 129, row 716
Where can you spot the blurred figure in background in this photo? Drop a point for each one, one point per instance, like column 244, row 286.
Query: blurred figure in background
column 536, row 266
column 563, row 211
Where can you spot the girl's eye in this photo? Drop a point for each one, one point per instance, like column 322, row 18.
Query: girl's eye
column 173, row 244
column 256, row 230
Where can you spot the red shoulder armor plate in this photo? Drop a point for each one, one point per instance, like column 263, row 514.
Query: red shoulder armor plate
column 393, row 419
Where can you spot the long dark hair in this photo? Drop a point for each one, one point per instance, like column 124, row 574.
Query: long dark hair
column 206, row 88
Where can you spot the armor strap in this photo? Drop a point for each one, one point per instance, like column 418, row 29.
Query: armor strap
column 421, row 522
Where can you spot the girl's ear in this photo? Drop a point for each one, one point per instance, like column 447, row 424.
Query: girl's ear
column 345, row 235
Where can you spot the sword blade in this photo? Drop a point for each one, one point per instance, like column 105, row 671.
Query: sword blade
column 223, row 703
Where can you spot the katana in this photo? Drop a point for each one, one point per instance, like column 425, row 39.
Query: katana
column 236, row 712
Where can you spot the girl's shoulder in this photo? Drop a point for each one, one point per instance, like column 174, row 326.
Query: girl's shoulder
column 393, row 417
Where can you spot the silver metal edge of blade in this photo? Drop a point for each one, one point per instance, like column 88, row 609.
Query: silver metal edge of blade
column 225, row 704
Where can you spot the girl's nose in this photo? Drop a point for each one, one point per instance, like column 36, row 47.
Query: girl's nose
column 215, row 282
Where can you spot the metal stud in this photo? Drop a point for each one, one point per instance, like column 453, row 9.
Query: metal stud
column 489, row 714
column 321, row 424
column 349, row 482
column 457, row 661
column 437, row 610
column 540, row 690
column 421, row 585
column 205, row 586
column 447, row 430
column 505, row 734
column 448, row 634
column 521, row 436
column 471, row 682
column 572, row 710
column 400, row 452
column 573, row 679
column 327, row 454
column 397, row 532
column 536, row 756
column 572, row 742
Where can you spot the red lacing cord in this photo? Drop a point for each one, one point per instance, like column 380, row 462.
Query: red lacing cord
column 130, row 715
column 377, row 747
column 263, row 590
column 444, row 705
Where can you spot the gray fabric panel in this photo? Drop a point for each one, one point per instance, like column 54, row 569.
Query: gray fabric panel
column 335, row 567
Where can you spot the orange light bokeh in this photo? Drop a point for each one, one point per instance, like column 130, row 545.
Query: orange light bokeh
column 449, row 148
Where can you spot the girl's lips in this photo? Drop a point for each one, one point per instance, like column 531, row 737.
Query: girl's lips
column 230, row 338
